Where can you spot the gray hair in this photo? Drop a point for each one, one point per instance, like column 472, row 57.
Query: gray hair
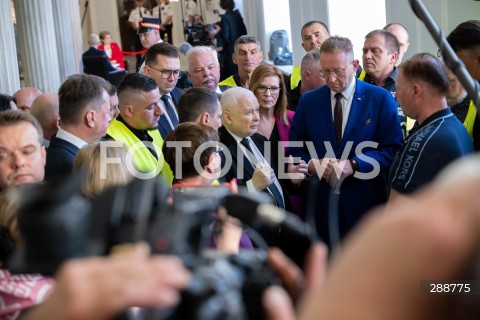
column 201, row 49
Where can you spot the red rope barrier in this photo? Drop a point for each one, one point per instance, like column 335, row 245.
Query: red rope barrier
column 135, row 52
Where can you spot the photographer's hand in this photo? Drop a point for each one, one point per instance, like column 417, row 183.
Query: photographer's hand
column 276, row 301
column 100, row 288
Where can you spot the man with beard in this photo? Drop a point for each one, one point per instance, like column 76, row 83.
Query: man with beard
column 137, row 126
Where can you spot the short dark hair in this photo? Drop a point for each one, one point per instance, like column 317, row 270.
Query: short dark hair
column 198, row 134
column 227, row 4
column 14, row 117
column 391, row 41
column 426, row 67
column 110, row 88
column 312, row 22
column 465, row 36
column 137, row 82
column 77, row 93
column 246, row 39
column 164, row 49
column 196, row 101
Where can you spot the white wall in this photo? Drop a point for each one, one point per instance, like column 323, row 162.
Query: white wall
column 446, row 13
column 374, row 15
column 276, row 17
column 302, row 11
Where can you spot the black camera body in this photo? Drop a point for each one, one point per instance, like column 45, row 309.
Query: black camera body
column 58, row 224
column 199, row 34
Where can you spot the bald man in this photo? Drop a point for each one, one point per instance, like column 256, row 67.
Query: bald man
column 401, row 33
column 25, row 97
column 45, row 110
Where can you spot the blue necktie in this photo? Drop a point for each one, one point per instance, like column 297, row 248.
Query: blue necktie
column 170, row 112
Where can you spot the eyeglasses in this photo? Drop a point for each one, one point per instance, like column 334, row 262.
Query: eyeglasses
column 168, row 73
column 273, row 90
column 338, row 73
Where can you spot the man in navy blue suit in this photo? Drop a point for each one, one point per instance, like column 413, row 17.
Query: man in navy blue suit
column 162, row 63
column 350, row 134
column 84, row 108
column 94, row 42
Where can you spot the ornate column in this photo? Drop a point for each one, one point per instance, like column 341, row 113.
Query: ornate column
column 10, row 78
column 38, row 46
column 66, row 16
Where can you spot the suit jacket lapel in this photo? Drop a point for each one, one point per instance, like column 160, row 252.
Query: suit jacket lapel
column 163, row 126
column 355, row 110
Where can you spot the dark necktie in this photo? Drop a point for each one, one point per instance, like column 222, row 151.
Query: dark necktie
column 277, row 195
column 338, row 117
column 140, row 10
column 170, row 112
column 160, row 14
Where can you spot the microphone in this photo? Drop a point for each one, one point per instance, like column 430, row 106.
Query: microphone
column 257, row 214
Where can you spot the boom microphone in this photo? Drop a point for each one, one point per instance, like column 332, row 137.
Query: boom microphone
column 257, row 214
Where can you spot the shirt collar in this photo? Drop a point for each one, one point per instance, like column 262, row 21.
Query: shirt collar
column 67, row 136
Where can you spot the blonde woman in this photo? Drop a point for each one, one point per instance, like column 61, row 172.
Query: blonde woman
column 100, row 174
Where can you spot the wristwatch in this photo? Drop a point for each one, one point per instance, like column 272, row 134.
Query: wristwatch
column 354, row 164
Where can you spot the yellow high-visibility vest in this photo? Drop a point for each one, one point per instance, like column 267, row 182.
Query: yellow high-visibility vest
column 143, row 159
column 470, row 118
column 229, row 82
column 295, row 77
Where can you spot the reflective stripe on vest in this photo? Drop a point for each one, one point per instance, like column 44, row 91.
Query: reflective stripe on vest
column 295, row 77
column 229, row 82
column 142, row 157
column 362, row 75
column 470, row 119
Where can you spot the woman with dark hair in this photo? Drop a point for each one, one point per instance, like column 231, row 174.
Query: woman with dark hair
column 7, row 102
column 231, row 28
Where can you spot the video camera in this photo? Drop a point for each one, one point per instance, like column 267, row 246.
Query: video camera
column 58, row 223
column 200, row 34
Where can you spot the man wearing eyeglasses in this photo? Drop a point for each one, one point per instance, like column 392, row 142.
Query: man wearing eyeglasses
column 162, row 63
column 354, row 131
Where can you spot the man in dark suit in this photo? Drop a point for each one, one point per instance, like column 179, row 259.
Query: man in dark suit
column 84, row 108
column 94, row 42
column 162, row 63
column 231, row 28
column 250, row 164
column 354, row 130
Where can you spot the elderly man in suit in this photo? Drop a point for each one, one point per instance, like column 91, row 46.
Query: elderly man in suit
column 162, row 63
column 352, row 133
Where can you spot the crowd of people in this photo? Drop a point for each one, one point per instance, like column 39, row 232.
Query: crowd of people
column 331, row 144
